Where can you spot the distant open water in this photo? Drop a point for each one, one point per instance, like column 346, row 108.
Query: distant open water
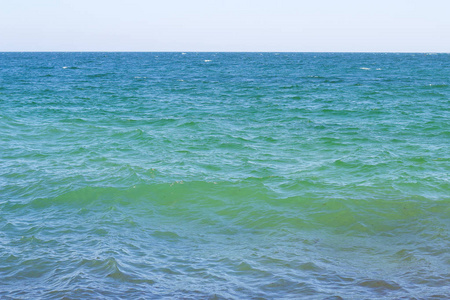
column 224, row 176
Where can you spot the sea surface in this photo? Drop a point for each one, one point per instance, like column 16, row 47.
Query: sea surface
column 224, row 176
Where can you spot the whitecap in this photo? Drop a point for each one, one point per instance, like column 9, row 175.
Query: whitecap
column 207, row 60
column 365, row 68
column 65, row 67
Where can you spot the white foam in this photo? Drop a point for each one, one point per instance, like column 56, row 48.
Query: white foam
column 365, row 68
column 65, row 67
column 207, row 60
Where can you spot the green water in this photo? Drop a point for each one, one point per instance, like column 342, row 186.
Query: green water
column 224, row 176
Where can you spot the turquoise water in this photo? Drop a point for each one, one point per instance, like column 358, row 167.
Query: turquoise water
column 224, row 176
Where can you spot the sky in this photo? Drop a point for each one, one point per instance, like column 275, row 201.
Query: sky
column 231, row 25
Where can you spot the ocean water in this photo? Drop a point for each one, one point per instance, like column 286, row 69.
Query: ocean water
column 224, row 176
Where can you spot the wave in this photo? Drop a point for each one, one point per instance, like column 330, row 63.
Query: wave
column 253, row 204
column 100, row 75
column 154, row 238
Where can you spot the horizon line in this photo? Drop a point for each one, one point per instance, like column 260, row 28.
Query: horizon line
column 191, row 51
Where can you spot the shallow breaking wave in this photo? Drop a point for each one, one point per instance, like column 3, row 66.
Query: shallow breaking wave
column 168, row 239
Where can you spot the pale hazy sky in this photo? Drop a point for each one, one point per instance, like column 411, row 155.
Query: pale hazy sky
column 231, row 25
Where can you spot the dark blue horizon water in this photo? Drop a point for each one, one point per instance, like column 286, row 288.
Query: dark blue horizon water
column 224, row 175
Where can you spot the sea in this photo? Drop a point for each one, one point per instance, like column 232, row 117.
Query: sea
column 224, row 175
